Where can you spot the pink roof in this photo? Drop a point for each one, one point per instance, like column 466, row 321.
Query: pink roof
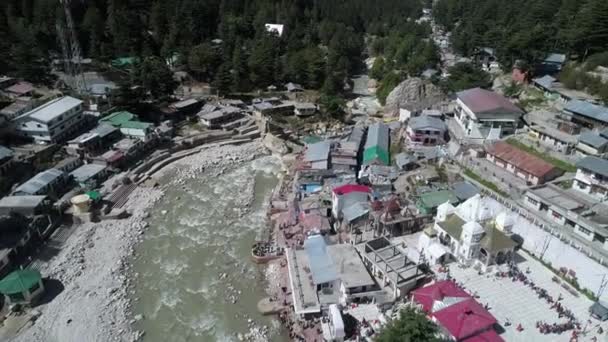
column 480, row 101
column 21, row 88
column 429, row 294
column 348, row 188
column 486, row 336
column 465, row 319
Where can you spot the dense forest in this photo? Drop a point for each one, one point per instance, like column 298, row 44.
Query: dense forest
column 219, row 41
column 526, row 29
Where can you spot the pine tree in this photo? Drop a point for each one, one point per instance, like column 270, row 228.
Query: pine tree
column 223, row 79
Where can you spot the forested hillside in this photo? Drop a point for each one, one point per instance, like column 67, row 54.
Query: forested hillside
column 526, row 29
column 323, row 40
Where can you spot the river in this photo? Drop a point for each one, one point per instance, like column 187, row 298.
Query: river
column 199, row 233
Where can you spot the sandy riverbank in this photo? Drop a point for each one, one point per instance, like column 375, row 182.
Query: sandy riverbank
column 94, row 264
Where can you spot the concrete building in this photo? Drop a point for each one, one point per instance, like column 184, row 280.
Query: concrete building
column 316, row 155
column 592, row 144
column 305, row 109
column 15, row 109
column 587, row 114
column 24, row 205
column 392, row 268
column 90, row 175
column 94, row 141
column 129, row 125
column 526, row 166
column 345, row 196
column 322, row 275
column 592, row 177
column 426, row 130
column 571, row 208
column 54, row 121
column 48, row 182
column 483, row 114
column 377, row 145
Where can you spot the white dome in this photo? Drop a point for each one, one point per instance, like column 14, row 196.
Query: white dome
column 443, row 210
column 504, row 220
column 472, row 228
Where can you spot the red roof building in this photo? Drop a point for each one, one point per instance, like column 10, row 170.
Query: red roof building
column 456, row 312
column 348, row 188
column 21, row 89
column 465, row 319
column 524, row 165
column 428, row 296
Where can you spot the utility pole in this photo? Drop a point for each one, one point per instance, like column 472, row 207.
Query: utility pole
column 603, row 285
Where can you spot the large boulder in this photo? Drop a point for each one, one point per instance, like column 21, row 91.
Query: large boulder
column 413, row 94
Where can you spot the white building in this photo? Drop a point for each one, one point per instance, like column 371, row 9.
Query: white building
column 470, row 234
column 592, row 177
column 54, row 121
column 483, row 114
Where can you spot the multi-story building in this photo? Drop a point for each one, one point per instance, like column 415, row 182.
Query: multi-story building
column 592, row 177
column 483, row 114
column 54, row 121
column 426, row 130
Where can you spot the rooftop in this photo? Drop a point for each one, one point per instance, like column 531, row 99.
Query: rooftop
column 350, row 267
column 5, row 152
column 21, row 201
column 87, row 171
column 520, row 159
column 377, row 135
column 588, row 110
column 594, row 164
column 484, row 102
column 317, row 151
column 20, row 88
column 426, row 121
column 592, row 139
column 53, row 109
column 435, row 198
column 321, row 265
column 39, row 181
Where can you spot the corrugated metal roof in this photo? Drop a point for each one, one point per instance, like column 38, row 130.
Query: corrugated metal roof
column 357, row 134
column 317, row 151
column 588, row 110
column 594, row 164
column 377, row 135
column 355, row 211
column 87, row 171
column 104, row 130
column 403, row 159
column 464, row 190
column 520, row 159
column 555, row 58
column 482, row 101
column 39, row 181
column 21, row 201
column 545, row 81
column 425, row 121
column 53, row 109
column 321, row 264
column 592, row 139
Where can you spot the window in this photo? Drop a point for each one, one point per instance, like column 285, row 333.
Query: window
column 556, row 214
column 584, row 230
column 533, row 201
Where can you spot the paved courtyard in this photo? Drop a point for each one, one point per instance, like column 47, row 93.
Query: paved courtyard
column 515, row 302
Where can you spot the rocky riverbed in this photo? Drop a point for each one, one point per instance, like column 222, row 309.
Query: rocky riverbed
column 94, row 266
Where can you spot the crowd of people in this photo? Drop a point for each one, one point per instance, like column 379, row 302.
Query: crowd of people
column 562, row 312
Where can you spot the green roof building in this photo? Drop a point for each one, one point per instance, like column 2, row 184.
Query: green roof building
column 428, row 202
column 376, row 149
column 129, row 124
column 22, row 286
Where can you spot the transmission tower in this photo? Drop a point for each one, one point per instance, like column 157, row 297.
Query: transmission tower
column 71, row 51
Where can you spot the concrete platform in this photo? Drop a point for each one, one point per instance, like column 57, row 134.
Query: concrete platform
column 268, row 307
